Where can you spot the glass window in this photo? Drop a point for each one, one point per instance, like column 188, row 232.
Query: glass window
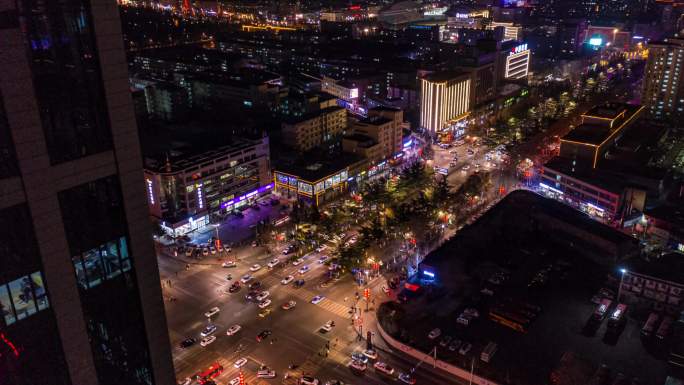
column 6, row 306
column 123, row 246
column 80, row 272
column 93, row 267
column 8, row 161
column 67, row 77
column 39, row 290
column 22, row 297
column 110, row 260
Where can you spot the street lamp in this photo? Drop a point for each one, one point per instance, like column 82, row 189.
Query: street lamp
column 622, row 277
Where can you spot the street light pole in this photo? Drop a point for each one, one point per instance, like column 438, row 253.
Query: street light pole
column 622, row 277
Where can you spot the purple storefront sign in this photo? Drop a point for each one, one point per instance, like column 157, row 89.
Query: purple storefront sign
column 248, row 195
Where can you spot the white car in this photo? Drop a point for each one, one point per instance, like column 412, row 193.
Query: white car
column 322, row 259
column 287, row 280
column 357, row 365
column 289, row 305
column 321, row 248
column 264, row 304
column 274, row 263
column 240, row 363
column 304, row 269
column 317, row 299
column 233, row 329
column 214, row 310
column 212, row 250
column 371, row 353
column 207, row 340
column 306, row 380
column 434, row 333
column 263, row 295
column 228, row 264
column 234, row 381
column 246, row 278
column 266, row 373
column 327, row 327
column 383, row 368
column 297, row 261
column 255, row 267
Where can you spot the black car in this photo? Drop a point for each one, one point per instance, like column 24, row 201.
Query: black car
column 252, row 295
column 263, row 335
column 188, row 342
column 234, row 287
column 255, row 285
column 299, row 283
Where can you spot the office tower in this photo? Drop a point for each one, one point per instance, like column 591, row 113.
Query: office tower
column 80, row 300
column 663, row 95
column 444, row 100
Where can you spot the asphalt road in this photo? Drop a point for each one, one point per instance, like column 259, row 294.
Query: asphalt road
column 296, row 338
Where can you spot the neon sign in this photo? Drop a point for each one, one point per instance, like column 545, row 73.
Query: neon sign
column 520, row 48
column 200, row 201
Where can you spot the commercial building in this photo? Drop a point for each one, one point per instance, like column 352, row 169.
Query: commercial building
column 378, row 137
column 185, row 188
column 657, row 283
column 663, row 88
column 80, row 300
column 601, row 127
column 340, row 89
column 314, row 129
column 515, row 57
column 511, row 31
column 315, row 180
column 445, row 100
column 602, row 168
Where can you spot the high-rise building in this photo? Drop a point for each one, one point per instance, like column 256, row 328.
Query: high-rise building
column 80, row 299
column 663, row 92
column 445, row 99
column 315, row 129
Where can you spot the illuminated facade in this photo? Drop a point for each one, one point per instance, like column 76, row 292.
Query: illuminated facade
column 444, row 100
column 517, row 62
column 183, row 192
column 511, row 31
column 663, row 89
column 339, row 89
column 601, row 127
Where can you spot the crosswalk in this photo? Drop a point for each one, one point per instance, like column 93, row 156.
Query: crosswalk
column 335, row 308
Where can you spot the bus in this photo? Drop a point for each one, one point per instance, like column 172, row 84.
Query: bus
column 213, row 371
column 509, row 319
column 618, row 317
column 650, row 324
column 664, row 328
column 488, row 352
column 602, row 309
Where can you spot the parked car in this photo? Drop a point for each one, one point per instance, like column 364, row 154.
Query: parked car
column 263, row 335
column 255, row 267
column 434, row 333
column 273, row 263
column 188, row 342
column 264, row 304
column 289, row 305
column 229, row 264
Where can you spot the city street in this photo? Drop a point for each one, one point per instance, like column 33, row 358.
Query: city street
column 296, row 338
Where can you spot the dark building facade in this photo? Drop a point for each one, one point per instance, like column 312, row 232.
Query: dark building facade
column 80, row 300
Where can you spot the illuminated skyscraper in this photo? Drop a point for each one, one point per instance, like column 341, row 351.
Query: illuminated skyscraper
column 444, row 100
column 663, row 92
column 80, row 300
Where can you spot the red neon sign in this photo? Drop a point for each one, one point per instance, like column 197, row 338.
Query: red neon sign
column 10, row 344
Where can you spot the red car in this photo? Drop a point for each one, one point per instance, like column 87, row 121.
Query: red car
column 213, row 371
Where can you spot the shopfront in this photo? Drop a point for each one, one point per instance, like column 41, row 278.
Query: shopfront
column 185, row 226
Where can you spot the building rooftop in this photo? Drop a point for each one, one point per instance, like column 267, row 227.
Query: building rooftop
column 311, row 115
column 364, row 141
column 312, row 167
column 444, row 76
column 375, row 120
column 595, row 133
column 669, row 267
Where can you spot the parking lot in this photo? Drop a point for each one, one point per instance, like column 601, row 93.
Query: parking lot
column 534, row 272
